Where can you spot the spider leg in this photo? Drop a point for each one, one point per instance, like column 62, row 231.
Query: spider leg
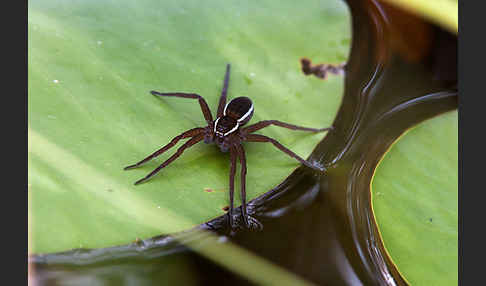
column 222, row 99
column 179, row 151
column 241, row 155
column 232, row 184
column 262, row 138
column 262, row 124
column 202, row 102
column 188, row 133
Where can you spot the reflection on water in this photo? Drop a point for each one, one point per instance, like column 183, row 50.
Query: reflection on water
column 318, row 226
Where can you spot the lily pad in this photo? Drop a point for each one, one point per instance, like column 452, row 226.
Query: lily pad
column 442, row 12
column 91, row 67
column 415, row 198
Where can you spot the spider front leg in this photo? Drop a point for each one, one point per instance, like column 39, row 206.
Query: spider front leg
column 241, row 155
column 250, row 222
column 179, row 151
column 262, row 138
column 262, row 124
column 232, row 184
column 186, row 134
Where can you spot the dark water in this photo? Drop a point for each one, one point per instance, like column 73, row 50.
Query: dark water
column 320, row 227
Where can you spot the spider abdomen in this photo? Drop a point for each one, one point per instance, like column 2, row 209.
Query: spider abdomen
column 239, row 109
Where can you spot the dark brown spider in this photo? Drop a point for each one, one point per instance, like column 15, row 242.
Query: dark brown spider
column 227, row 132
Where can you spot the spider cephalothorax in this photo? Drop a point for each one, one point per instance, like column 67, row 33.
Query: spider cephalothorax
column 236, row 114
column 226, row 132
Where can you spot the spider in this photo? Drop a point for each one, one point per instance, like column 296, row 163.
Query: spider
column 227, row 133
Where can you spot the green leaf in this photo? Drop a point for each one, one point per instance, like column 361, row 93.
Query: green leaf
column 414, row 193
column 91, row 67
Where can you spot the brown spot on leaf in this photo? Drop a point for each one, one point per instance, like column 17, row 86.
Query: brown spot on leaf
column 321, row 70
column 210, row 190
column 226, row 208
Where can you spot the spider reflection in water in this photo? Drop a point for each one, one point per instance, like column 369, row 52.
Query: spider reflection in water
column 226, row 132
